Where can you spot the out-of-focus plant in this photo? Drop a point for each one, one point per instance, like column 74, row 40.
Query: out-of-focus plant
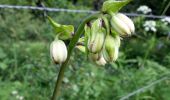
column 25, row 64
column 144, row 9
column 166, row 20
column 158, row 27
column 150, row 26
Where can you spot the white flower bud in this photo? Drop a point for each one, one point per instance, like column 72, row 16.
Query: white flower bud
column 101, row 61
column 122, row 24
column 119, row 26
column 58, row 51
column 127, row 21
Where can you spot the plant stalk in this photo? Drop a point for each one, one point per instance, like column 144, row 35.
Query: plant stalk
column 71, row 46
column 166, row 9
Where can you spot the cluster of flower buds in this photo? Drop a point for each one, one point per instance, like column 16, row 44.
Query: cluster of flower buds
column 103, row 37
column 58, row 51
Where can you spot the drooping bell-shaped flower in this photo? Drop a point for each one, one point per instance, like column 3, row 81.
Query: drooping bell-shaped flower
column 122, row 24
column 95, row 45
column 58, row 51
column 111, row 48
column 127, row 21
column 96, row 37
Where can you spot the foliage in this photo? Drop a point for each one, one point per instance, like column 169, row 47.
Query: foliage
column 25, row 63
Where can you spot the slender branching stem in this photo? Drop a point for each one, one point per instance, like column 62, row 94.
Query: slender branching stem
column 71, row 46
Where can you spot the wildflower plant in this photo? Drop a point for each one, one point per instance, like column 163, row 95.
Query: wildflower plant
column 166, row 20
column 150, row 26
column 101, row 40
column 144, row 9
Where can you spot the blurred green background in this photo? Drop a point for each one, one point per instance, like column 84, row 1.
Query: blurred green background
column 26, row 70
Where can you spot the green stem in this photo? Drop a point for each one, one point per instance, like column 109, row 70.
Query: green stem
column 166, row 8
column 71, row 46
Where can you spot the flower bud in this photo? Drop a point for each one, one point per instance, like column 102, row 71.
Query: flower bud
column 120, row 26
column 58, row 51
column 111, row 49
column 127, row 21
column 117, row 40
column 97, row 36
column 101, row 61
column 95, row 44
column 97, row 58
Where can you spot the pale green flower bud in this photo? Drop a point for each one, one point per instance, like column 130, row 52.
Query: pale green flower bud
column 127, row 21
column 97, row 36
column 58, row 51
column 95, row 45
column 120, row 26
column 111, row 49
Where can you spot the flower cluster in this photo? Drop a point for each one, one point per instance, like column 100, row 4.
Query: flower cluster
column 102, row 34
column 166, row 20
column 150, row 26
column 103, row 37
column 18, row 97
column 144, row 9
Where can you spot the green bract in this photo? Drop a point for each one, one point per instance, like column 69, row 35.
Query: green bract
column 63, row 32
column 106, row 23
column 81, row 48
column 114, row 6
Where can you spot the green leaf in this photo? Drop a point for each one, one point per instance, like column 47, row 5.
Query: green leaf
column 114, row 6
column 2, row 54
column 63, row 32
column 3, row 66
column 81, row 48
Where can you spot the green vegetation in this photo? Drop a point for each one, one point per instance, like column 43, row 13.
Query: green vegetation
column 26, row 67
